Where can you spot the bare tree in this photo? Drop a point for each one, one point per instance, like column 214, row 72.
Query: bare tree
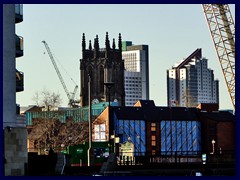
column 50, row 100
column 35, row 98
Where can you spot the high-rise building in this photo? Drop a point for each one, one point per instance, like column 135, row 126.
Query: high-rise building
column 14, row 126
column 136, row 74
column 103, row 66
column 191, row 82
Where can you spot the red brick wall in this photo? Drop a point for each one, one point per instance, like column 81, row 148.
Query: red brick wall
column 226, row 135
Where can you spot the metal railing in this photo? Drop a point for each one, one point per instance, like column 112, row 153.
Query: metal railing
column 177, row 157
column 19, row 43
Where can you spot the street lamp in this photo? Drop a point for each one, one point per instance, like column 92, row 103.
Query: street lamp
column 213, row 142
column 109, row 85
column 89, row 119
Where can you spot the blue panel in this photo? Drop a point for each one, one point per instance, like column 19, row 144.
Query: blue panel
column 135, row 129
column 183, row 137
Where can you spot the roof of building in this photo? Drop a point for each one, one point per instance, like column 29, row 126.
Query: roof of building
column 153, row 113
column 196, row 54
column 218, row 116
column 24, row 109
column 146, row 110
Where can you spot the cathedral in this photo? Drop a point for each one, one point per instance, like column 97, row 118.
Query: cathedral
column 102, row 65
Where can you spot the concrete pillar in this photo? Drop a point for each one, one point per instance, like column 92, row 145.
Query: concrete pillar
column 9, row 66
column 15, row 137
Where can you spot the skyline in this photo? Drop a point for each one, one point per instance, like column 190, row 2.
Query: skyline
column 172, row 33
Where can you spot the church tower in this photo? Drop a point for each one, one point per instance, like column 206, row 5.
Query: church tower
column 103, row 65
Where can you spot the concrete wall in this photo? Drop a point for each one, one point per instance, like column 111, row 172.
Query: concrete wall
column 9, row 66
column 15, row 151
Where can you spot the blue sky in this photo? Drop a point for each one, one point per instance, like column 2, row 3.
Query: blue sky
column 172, row 32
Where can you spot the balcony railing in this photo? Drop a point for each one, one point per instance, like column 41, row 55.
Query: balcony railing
column 21, row 121
column 19, row 46
column 18, row 13
column 19, row 81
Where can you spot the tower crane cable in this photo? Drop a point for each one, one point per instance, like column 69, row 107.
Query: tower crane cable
column 70, row 98
column 64, row 68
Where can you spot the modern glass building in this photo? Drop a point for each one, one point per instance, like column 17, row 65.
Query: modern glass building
column 159, row 130
column 191, row 82
column 134, row 130
column 136, row 73
column 181, row 137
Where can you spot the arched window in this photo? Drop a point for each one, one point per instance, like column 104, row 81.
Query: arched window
column 101, row 79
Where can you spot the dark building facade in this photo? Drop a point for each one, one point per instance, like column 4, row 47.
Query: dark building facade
column 169, row 131
column 102, row 65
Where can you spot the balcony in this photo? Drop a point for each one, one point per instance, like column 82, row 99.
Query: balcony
column 21, row 121
column 19, row 81
column 19, row 46
column 18, row 13
column 17, row 108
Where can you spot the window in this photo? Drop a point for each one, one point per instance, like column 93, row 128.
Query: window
column 153, row 138
column 153, row 126
column 100, row 132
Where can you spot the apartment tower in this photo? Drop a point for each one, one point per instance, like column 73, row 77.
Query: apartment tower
column 136, row 73
column 14, row 126
column 191, row 82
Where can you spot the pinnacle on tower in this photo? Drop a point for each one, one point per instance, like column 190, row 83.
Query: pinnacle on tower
column 90, row 45
column 120, row 42
column 96, row 44
column 113, row 45
column 107, row 41
column 83, row 42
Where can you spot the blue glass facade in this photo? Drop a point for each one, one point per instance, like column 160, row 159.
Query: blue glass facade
column 181, row 137
column 133, row 129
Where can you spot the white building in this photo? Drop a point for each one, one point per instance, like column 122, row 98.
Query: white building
column 191, row 82
column 14, row 126
column 136, row 74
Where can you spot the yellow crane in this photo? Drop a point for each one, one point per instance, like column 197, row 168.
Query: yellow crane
column 222, row 29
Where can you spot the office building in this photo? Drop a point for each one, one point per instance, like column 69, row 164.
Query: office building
column 191, row 82
column 136, row 73
column 168, row 131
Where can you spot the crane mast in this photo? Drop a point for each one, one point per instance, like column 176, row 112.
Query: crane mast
column 222, row 29
column 70, row 98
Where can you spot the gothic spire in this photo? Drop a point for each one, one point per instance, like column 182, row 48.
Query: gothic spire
column 113, row 45
column 83, row 42
column 107, row 42
column 90, row 45
column 96, row 44
column 120, row 42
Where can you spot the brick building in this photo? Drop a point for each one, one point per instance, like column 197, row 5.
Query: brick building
column 167, row 130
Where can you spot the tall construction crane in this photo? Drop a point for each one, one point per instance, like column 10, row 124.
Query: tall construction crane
column 71, row 102
column 222, row 29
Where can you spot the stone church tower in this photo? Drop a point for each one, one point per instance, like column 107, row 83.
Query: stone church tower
column 103, row 65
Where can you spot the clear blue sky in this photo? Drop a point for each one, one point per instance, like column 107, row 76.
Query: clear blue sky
column 172, row 32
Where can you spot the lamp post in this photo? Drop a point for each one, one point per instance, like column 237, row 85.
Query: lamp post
column 109, row 85
column 89, row 119
column 213, row 142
